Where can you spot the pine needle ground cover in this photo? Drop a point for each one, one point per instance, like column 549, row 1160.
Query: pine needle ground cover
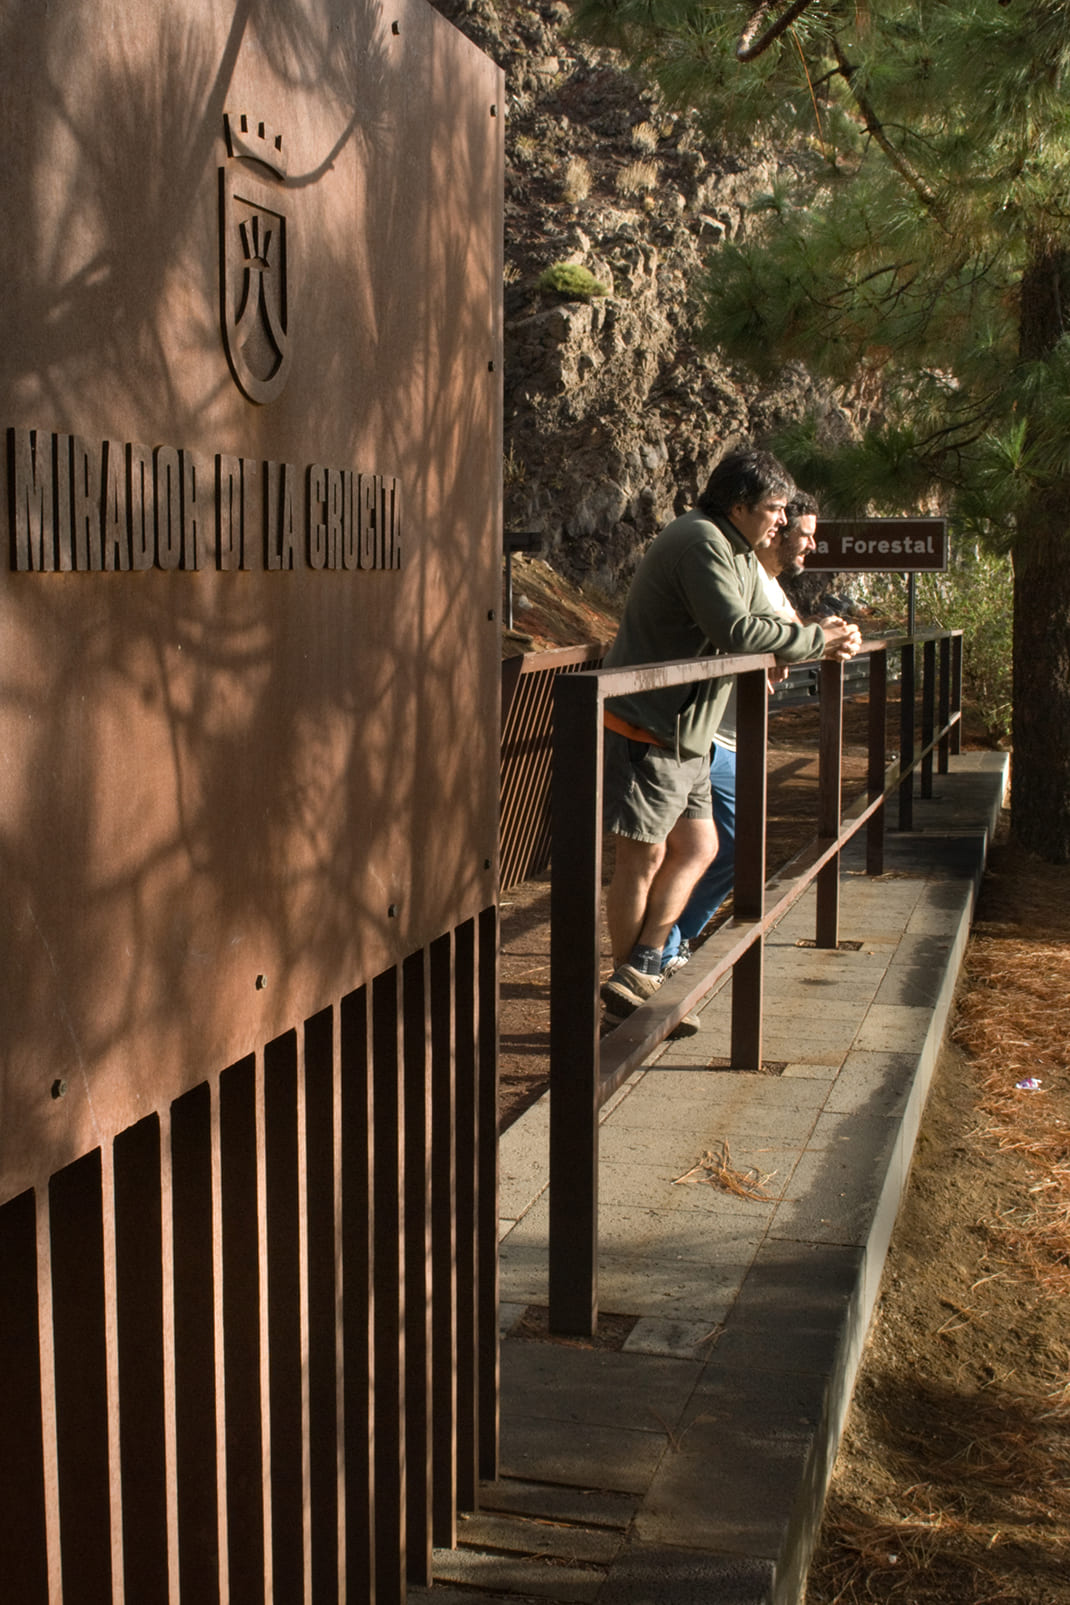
column 953, row 1481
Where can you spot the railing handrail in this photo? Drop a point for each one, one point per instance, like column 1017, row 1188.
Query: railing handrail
column 579, row 1080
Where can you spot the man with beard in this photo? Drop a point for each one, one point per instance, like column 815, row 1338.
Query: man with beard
column 783, row 554
column 698, row 590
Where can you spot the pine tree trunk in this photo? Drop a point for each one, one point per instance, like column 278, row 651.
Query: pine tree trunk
column 1040, row 794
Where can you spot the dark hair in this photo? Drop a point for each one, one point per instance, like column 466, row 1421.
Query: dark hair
column 801, row 505
column 745, row 478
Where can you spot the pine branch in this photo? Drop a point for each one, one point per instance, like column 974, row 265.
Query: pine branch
column 749, row 49
column 875, row 128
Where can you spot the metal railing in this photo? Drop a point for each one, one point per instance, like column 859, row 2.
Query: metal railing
column 303, row 1385
column 584, row 1071
column 527, row 755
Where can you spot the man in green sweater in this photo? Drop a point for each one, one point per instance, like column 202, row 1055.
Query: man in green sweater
column 698, row 591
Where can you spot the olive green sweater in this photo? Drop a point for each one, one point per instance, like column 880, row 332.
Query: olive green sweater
column 697, row 592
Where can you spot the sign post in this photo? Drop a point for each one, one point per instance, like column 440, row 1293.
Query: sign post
column 908, row 546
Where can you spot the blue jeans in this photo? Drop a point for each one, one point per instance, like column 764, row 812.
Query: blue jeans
column 715, row 882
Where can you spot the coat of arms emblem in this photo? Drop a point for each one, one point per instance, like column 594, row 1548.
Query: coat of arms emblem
column 254, row 250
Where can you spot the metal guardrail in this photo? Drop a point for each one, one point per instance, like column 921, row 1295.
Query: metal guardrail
column 527, row 755
column 803, row 684
column 584, row 1071
column 527, row 743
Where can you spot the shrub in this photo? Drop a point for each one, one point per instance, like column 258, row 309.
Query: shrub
column 974, row 596
column 572, row 281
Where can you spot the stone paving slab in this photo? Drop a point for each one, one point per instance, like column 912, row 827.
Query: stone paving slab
column 590, row 1507
column 653, row 1187
column 535, row 1576
column 836, row 1187
column 682, row 1234
column 873, row 1084
column 654, row 1575
column 489, row 1529
column 603, row 1387
column 717, row 1423
column 678, row 1290
column 539, row 1449
column 894, row 1028
column 678, row 1339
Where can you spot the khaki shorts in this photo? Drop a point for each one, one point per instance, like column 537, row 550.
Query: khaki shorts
column 646, row 789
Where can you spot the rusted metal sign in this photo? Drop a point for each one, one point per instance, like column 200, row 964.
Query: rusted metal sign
column 250, row 594
column 883, row 545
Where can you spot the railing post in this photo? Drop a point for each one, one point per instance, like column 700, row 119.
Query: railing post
column 752, row 709
column 928, row 715
column 878, row 723
column 575, row 922
column 944, row 713
column 829, row 801
column 906, row 735
column 956, row 691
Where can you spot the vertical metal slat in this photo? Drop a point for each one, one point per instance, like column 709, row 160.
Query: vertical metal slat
column 444, row 1243
column 322, row 1227
column 285, row 1281
column 244, row 1446
column 748, row 975
column 23, row 1523
column 906, row 736
column 944, row 713
column 467, row 1047
column 829, row 802
column 358, row 1141
column 575, row 949
column 928, row 715
column 487, row 1232
column 76, row 1233
column 877, row 734
column 193, row 1217
column 417, row 1123
column 140, row 1305
column 389, row 1271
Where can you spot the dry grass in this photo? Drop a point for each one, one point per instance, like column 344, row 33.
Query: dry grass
column 715, row 1169
column 576, row 185
column 954, row 1491
column 1014, row 1022
column 903, row 1560
column 637, row 177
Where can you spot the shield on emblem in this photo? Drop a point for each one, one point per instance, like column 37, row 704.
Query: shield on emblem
column 254, row 239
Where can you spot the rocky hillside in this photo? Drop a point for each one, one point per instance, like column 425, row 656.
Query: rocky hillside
column 613, row 418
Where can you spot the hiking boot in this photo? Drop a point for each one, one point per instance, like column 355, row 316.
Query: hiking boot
column 678, row 960
column 627, row 988
column 687, row 1027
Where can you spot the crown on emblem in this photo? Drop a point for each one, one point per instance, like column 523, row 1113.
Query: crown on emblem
column 255, row 140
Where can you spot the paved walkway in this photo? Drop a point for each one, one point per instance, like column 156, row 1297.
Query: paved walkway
column 688, row 1464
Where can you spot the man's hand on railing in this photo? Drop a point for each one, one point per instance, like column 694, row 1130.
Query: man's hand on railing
column 842, row 640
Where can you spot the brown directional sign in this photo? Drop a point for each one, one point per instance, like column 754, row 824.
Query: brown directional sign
column 885, row 545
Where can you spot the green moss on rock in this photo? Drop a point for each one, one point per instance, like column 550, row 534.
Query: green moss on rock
column 570, row 280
